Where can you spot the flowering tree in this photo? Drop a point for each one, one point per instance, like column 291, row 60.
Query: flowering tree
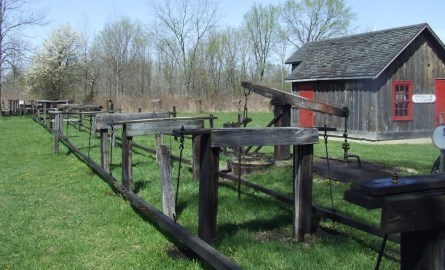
column 57, row 67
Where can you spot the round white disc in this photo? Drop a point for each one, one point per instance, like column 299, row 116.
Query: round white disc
column 438, row 137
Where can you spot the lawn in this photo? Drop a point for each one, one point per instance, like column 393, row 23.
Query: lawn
column 56, row 213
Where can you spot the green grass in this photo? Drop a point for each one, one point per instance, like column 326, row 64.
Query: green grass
column 57, row 214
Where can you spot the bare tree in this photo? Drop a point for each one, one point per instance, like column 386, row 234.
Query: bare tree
column 13, row 19
column 183, row 24
column 262, row 27
column 118, row 45
column 311, row 20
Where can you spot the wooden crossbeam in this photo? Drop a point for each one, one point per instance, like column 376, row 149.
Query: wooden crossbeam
column 163, row 126
column 284, row 98
column 104, row 121
column 263, row 136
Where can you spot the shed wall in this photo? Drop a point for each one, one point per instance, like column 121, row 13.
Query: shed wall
column 370, row 101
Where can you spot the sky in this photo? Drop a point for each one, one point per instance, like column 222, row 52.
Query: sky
column 371, row 14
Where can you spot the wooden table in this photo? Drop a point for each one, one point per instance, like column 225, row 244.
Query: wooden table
column 414, row 207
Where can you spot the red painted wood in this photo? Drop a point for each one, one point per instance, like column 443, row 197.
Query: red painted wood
column 306, row 116
column 439, row 108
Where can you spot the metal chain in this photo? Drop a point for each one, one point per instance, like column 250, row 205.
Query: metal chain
column 181, row 148
column 246, row 119
column 346, row 143
column 329, row 167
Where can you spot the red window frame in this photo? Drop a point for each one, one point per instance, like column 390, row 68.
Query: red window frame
column 402, row 105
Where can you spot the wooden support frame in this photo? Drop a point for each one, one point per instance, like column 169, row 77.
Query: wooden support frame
column 210, row 142
column 104, row 122
column 149, row 127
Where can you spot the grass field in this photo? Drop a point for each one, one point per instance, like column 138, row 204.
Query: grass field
column 58, row 214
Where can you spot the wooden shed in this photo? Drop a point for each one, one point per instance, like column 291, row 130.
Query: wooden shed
column 392, row 81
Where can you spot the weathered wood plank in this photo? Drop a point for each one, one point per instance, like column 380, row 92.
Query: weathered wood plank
column 127, row 154
column 104, row 121
column 164, row 126
column 208, row 190
column 284, row 98
column 264, row 136
column 104, row 159
column 302, row 201
column 81, row 107
column 413, row 212
column 168, row 201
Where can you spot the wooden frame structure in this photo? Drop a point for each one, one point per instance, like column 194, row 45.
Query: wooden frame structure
column 210, row 142
column 106, row 122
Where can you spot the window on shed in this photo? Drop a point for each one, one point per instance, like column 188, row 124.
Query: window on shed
column 402, row 106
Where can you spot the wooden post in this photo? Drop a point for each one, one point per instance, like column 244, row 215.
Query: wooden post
column 104, row 160
column 302, row 210
column 282, row 152
column 208, row 190
column 159, row 142
column 56, row 131
column 44, row 113
column 422, row 249
column 93, row 126
column 168, row 201
column 196, row 156
column 127, row 143
column 79, row 121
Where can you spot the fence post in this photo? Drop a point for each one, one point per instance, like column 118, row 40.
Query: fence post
column 208, row 190
column 127, row 143
column 168, row 203
column 56, row 128
column 302, row 210
column 104, row 159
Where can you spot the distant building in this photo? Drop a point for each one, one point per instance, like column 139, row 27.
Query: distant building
column 392, row 81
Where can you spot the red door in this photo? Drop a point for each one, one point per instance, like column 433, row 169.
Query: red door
column 306, row 116
column 439, row 108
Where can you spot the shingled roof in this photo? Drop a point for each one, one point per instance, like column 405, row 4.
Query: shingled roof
column 362, row 56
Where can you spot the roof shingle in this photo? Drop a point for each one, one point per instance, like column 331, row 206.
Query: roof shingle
column 359, row 56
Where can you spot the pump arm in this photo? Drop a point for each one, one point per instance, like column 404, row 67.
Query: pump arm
column 282, row 98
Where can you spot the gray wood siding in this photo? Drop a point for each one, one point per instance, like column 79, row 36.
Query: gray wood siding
column 421, row 64
column 370, row 101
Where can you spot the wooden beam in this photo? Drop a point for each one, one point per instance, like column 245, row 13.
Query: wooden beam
column 263, row 136
column 105, row 120
column 163, row 126
column 284, row 98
